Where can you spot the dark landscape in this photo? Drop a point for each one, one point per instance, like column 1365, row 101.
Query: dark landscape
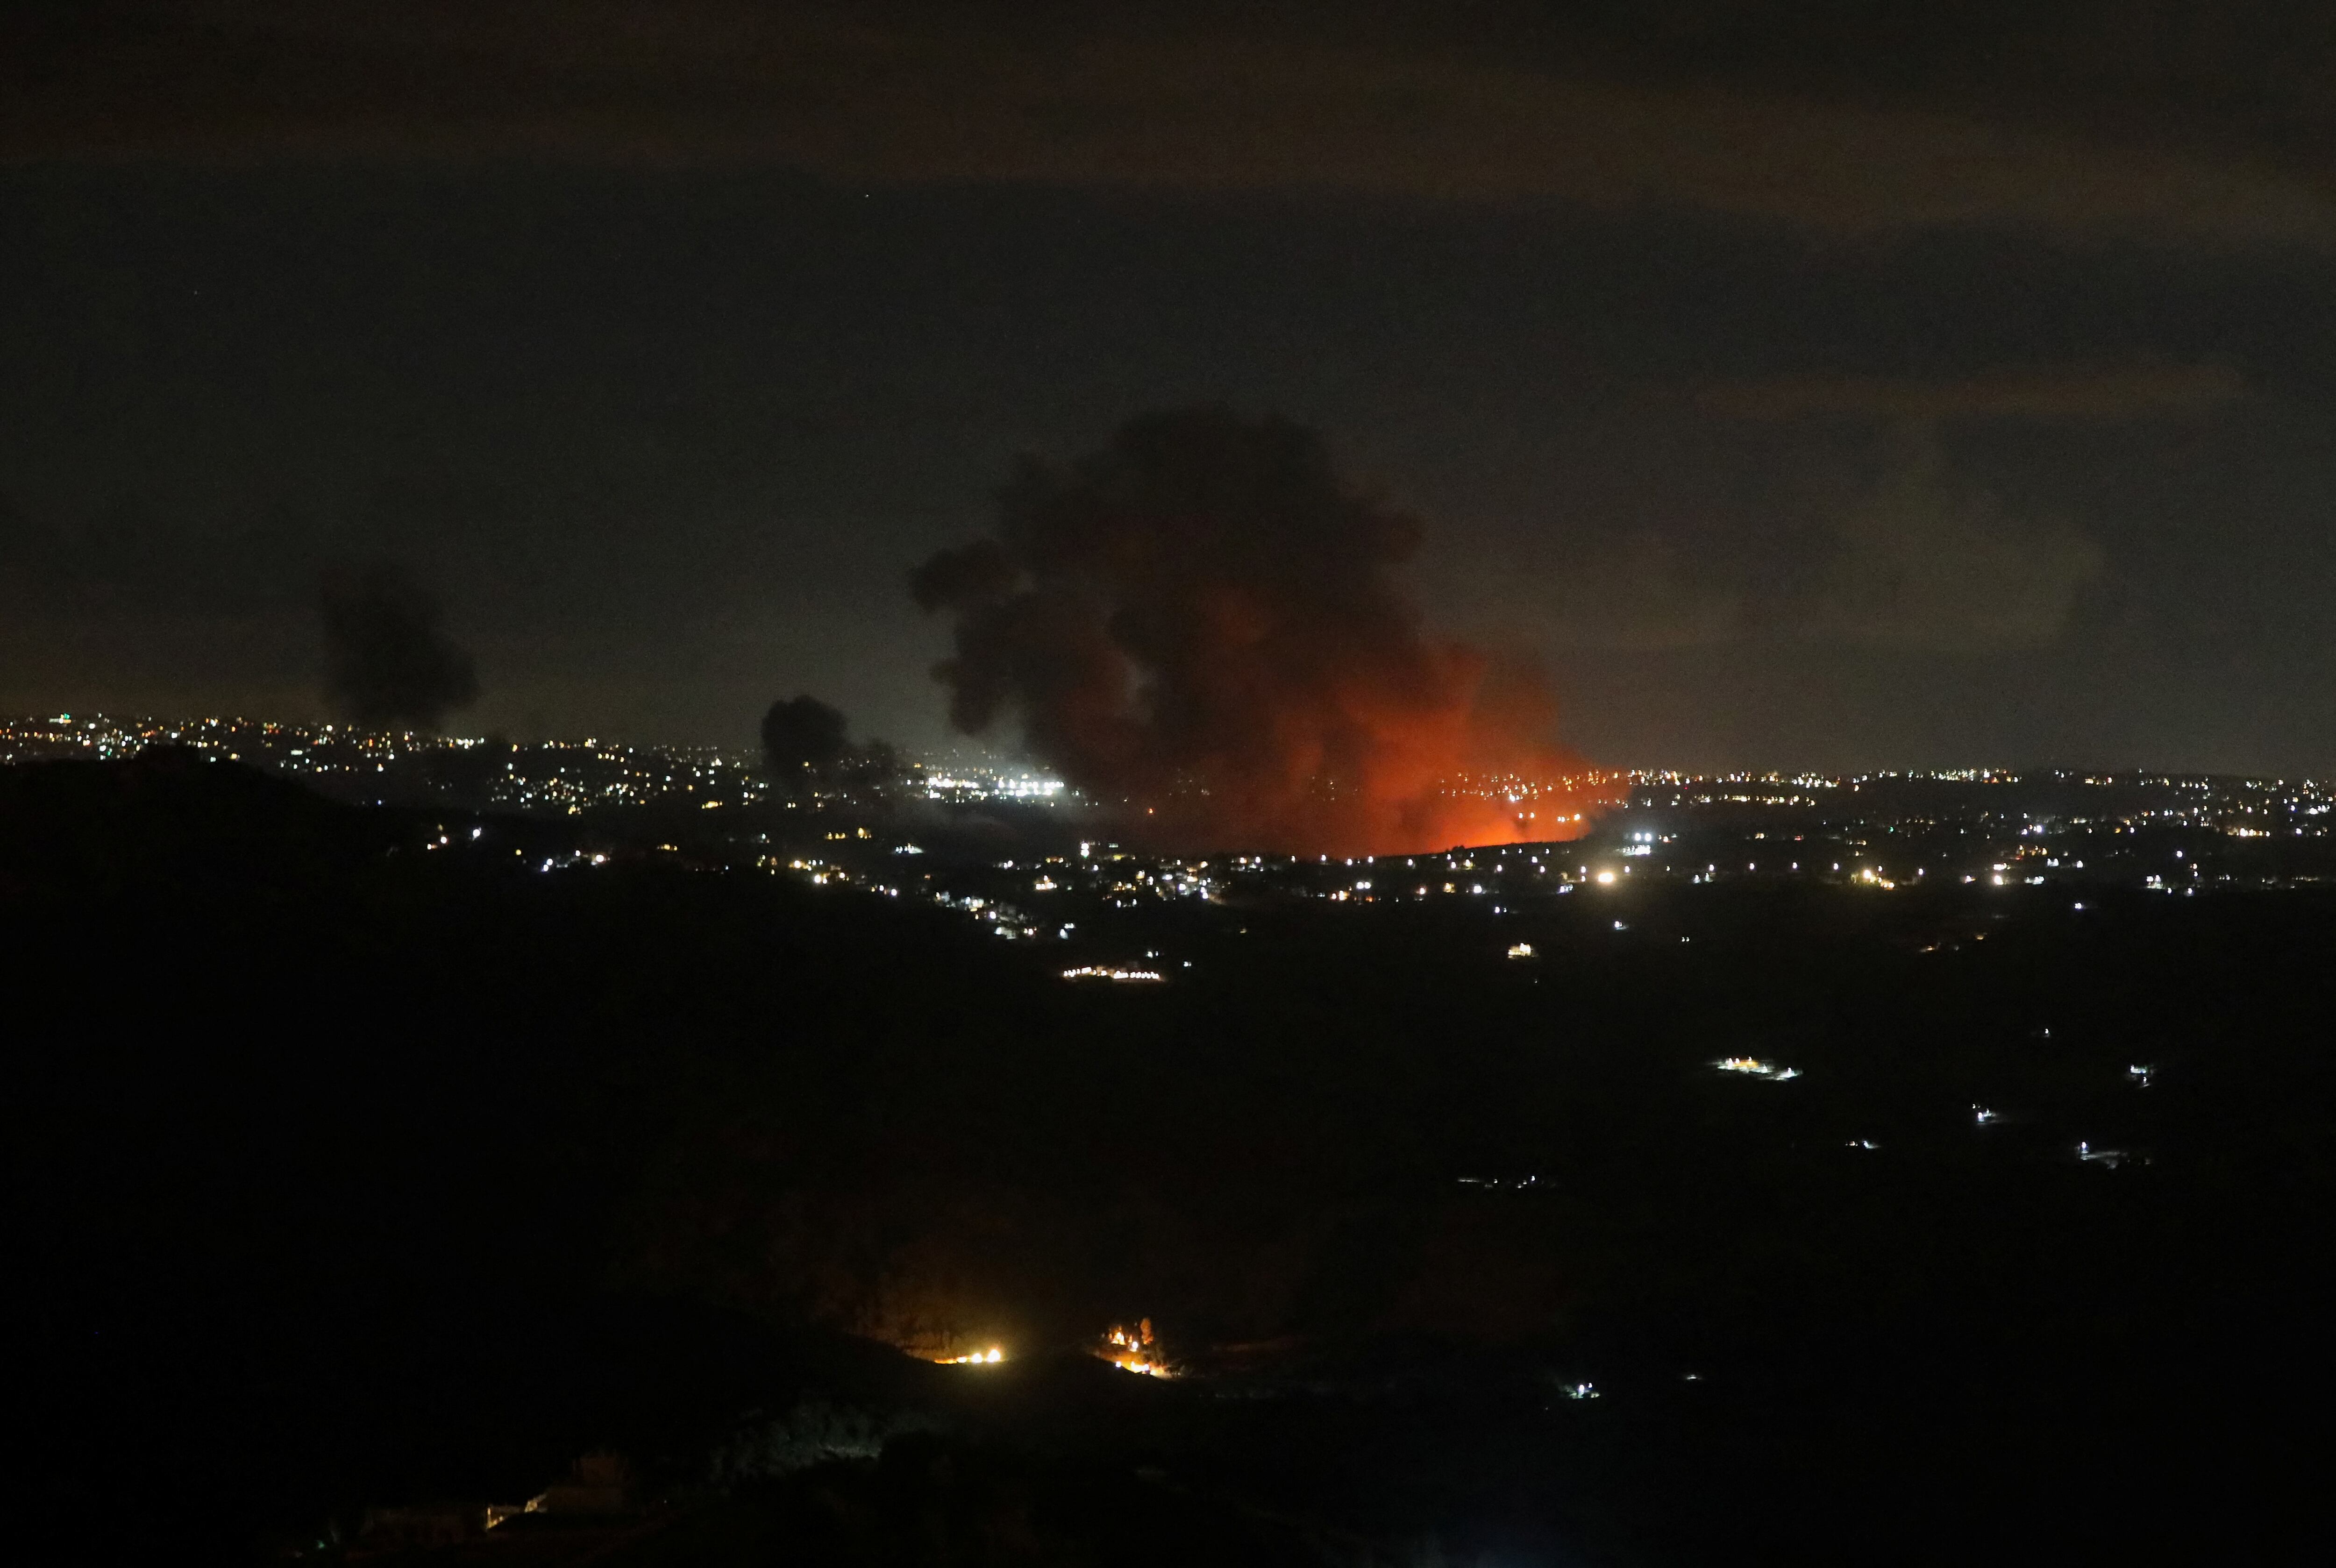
column 1167, row 783
column 368, row 1164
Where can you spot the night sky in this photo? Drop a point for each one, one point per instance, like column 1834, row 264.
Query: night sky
column 1805, row 385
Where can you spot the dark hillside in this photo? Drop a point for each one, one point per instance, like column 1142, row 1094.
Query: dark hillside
column 357, row 1158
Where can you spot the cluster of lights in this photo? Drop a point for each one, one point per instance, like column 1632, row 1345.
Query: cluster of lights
column 565, row 776
column 1753, row 1066
column 983, row 786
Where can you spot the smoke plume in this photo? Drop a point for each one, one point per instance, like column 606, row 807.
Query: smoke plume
column 388, row 664
column 1200, row 619
column 803, row 735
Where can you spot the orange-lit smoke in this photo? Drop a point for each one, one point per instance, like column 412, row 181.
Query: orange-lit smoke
column 1199, row 621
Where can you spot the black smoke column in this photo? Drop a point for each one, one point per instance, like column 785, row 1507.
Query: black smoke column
column 388, row 663
column 803, row 735
column 1205, row 621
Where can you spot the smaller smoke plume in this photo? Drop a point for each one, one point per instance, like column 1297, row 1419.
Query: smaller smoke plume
column 1202, row 620
column 388, row 663
column 803, row 734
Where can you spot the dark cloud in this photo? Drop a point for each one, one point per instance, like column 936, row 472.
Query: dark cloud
column 388, row 663
column 1899, row 553
column 1202, row 620
column 2204, row 121
column 685, row 427
column 1924, row 559
column 2050, row 392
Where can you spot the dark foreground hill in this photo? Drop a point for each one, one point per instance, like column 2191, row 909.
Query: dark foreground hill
column 363, row 1158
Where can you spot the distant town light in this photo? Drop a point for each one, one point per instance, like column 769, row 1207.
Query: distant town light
column 1753, row 1066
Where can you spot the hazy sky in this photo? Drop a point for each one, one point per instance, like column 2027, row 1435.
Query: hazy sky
column 1809, row 385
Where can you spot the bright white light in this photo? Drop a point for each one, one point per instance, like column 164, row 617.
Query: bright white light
column 1753, row 1066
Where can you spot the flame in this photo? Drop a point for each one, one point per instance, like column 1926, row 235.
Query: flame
column 1135, row 1351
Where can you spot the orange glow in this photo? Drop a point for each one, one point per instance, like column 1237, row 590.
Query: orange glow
column 1202, row 626
column 1135, row 1351
column 1449, row 755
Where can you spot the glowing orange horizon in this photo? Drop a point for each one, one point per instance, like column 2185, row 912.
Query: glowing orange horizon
column 1455, row 813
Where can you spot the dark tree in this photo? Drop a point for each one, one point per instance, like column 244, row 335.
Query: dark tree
column 387, row 661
